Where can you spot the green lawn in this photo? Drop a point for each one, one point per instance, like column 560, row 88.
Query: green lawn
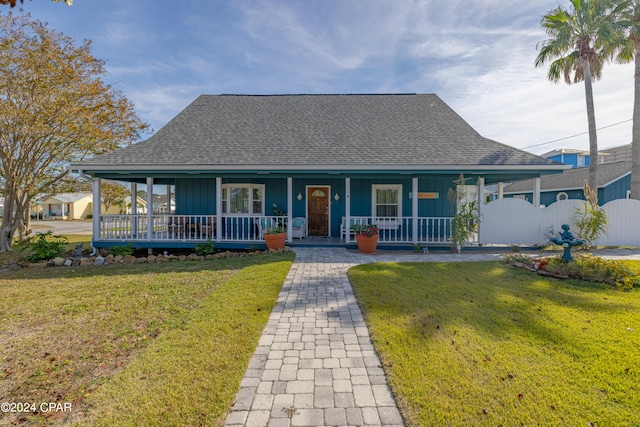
column 144, row 344
column 485, row 344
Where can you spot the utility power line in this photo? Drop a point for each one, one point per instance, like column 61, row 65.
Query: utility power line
column 573, row 136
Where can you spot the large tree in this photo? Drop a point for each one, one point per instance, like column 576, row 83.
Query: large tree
column 581, row 38
column 54, row 109
column 13, row 3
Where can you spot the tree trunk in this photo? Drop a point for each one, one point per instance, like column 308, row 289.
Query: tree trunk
column 635, row 134
column 7, row 230
column 593, row 136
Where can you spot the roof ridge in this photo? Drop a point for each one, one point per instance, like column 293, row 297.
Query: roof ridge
column 318, row 94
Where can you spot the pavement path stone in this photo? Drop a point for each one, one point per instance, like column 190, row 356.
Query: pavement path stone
column 315, row 364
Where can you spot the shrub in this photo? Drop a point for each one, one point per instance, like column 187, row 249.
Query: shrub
column 518, row 258
column 206, row 248
column 592, row 221
column 42, row 247
column 596, row 269
column 121, row 250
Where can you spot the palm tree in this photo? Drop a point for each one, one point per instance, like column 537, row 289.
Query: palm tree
column 629, row 49
column 581, row 39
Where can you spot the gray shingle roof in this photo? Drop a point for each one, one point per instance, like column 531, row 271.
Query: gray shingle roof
column 316, row 130
column 572, row 178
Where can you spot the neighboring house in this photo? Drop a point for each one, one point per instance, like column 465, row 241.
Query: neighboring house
column 581, row 158
column 570, row 156
column 160, row 203
column 617, row 154
column 126, row 207
column 614, row 182
column 77, row 206
column 64, row 206
column 329, row 159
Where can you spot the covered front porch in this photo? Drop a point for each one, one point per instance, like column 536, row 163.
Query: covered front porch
column 156, row 230
column 334, row 198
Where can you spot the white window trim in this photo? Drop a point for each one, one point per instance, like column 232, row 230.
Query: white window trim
column 375, row 187
column 562, row 193
column 251, row 187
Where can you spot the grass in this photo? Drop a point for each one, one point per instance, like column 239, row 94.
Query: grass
column 487, row 344
column 143, row 344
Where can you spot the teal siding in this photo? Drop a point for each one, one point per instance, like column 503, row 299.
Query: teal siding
column 197, row 196
column 617, row 189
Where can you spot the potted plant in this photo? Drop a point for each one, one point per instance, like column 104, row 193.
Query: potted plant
column 275, row 237
column 366, row 237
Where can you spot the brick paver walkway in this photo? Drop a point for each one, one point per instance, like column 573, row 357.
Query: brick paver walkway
column 315, row 364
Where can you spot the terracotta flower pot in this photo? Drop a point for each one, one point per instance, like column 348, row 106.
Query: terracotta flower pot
column 275, row 241
column 367, row 245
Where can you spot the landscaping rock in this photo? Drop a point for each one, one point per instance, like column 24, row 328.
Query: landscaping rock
column 118, row 259
column 58, row 262
column 40, row 264
column 68, row 262
column 85, row 261
column 141, row 260
column 100, row 260
column 151, row 258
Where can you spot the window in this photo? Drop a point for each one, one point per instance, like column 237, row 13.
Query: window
column 387, row 200
column 243, row 199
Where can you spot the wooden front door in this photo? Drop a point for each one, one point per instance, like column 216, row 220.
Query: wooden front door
column 318, row 210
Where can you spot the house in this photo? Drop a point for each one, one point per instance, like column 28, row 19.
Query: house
column 621, row 153
column 570, row 156
column 78, row 206
column 235, row 163
column 64, row 206
column 614, row 182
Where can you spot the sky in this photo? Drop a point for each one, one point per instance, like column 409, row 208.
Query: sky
column 478, row 56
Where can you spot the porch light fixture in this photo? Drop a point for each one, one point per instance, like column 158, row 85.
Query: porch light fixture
column 299, row 196
column 336, row 197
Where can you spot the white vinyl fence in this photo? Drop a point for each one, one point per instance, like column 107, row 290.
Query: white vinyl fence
column 515, row 221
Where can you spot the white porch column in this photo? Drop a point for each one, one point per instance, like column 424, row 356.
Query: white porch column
column 536, row 192
column 481, row 202
column 134, row 198
column 97, row 208
column 501, row 190
column 169, row 199
column 149, row 208
column 289, row 209
column 414, row 209
column 218, row 209
column 347, row 208
column 134, row 209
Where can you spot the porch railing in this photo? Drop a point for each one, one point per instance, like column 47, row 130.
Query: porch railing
column 187, row 227
column 400, row 230
column 251, row 228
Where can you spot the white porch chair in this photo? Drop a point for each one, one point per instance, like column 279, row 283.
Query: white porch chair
column 299, row 228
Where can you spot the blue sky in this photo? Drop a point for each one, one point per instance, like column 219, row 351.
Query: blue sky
column 476, row 55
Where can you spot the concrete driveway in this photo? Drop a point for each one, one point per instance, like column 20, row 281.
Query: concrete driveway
column 64, row 227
